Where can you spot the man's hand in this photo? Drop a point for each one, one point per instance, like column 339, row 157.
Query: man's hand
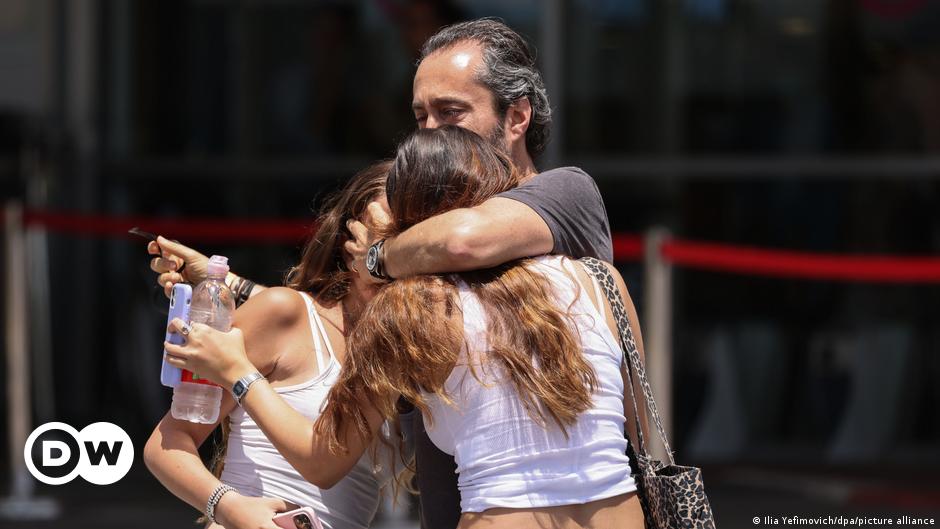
column 364, row 233
column 235, row 511
column 173, row 256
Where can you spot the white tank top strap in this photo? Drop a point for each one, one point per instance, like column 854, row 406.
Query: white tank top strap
column 319, row 334
column 598, row 293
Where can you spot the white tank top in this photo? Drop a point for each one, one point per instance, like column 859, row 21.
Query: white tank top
column 255, row 467
column 504, row 458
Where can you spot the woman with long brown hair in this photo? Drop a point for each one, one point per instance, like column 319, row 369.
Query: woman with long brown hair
column 295, row 336
column 516, row 368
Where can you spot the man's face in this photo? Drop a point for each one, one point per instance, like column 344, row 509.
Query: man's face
column 446, row 92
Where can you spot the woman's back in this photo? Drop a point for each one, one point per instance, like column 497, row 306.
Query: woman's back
column 505, row 458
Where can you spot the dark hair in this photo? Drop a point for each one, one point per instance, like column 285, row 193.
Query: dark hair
column 510, row 71
column 322, row 269
column 437, row 168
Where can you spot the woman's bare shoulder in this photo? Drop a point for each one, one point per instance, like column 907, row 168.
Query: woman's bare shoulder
column 275, row 306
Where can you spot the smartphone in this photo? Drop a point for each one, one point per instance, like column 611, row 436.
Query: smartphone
column 302, row 518
column 181, row 297
column 141, row 233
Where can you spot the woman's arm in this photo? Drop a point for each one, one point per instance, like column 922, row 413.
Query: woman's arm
column 171, row 454
column 295, row 438
column 265, row 320
column 174, row 257
column 223, row 359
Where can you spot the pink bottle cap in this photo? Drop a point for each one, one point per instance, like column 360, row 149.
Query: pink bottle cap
column 218, row 266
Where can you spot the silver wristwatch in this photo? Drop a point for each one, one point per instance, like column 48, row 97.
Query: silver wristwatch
column 240, row 388
column 375, row 261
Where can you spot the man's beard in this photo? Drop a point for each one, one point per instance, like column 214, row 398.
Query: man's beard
column 497, row 137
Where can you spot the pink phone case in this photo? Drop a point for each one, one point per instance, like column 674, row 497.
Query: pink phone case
column 302, row 518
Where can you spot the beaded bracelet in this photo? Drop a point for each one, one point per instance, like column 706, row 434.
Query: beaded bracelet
column 214, row 500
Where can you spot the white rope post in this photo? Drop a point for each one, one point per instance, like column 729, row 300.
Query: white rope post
column 657, row 328
column 20, row 504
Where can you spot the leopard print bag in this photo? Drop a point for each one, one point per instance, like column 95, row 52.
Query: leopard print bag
column 672, row 496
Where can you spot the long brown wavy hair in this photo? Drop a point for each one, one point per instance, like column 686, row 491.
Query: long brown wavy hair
column 322, row 270
column 410, row 336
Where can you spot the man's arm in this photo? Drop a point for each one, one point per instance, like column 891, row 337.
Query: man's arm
column 496, row 231
column 559, row 211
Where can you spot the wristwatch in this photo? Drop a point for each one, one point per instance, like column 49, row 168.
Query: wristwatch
column 375, row 261
column 240, row 388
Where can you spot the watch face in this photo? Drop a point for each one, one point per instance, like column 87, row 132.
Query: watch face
column 372, row 257
column 238, row 388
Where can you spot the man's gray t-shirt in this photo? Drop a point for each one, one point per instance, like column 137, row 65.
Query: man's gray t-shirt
column 568, row 201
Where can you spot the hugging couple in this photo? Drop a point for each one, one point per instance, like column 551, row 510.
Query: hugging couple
column 437, row 328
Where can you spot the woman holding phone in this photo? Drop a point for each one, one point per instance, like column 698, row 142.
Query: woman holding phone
column 295, row 336
column 516, row 369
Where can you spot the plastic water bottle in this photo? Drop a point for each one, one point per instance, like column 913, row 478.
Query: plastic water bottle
column 196, row 399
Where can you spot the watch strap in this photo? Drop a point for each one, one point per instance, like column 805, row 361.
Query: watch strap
column 375, row 263
column 240, row 388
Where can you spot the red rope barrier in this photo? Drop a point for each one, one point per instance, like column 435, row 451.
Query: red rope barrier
column 777, row 263
column 199, row 230
column 627, row 247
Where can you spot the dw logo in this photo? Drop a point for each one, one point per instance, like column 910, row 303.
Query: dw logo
column 102, row 453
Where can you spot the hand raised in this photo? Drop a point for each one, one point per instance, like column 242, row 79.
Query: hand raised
column 176, row 263
column 364, row 233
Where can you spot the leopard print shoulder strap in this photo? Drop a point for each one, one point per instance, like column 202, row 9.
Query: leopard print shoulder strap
column 632, row 356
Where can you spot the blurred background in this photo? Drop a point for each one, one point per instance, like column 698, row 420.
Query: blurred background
column 806, row 125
